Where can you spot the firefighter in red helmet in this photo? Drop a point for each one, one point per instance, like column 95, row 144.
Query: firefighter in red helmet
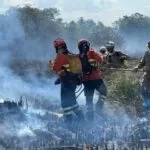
column 92, row 78
column 68, row 82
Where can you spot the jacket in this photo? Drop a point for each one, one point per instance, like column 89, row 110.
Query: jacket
column 61, row 64
column 145, row 62
column 94, row 59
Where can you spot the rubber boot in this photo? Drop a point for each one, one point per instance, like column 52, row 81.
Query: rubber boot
column 99, row 106
column 79, row 115
column 90, row 116
column 68, row 119
column 90, row 113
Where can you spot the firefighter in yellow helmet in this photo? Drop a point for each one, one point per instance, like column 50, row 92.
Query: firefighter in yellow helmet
column 68, row 82
column 145, row 84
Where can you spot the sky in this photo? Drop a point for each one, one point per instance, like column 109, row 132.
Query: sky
column 106, row 11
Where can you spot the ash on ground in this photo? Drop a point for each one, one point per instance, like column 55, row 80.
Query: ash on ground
column 39, row 126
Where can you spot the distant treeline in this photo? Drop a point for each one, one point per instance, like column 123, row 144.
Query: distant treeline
column 29, row 32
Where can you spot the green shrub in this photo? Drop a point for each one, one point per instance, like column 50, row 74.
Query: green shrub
column 123, row 88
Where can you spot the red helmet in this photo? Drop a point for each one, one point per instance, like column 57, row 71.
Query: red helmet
column 60, row 43
column 83, row 45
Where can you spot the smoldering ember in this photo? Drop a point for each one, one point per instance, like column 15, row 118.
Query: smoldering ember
column 31, row 116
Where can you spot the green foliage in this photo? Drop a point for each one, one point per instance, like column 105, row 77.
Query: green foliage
column 134, row 29
column 133, row 24
column 38, row 22
column 124, row 89
column 45, row 25
column 101, row 35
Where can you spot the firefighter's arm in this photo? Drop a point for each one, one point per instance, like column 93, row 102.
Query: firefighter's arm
column 97, row 57
column 140, row 65
column 124, row 56
column 58, row 63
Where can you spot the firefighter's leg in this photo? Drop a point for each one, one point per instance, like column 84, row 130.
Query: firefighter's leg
column 79, row 114
column 102, row 94
column 145, row 92
column 89, row 93
column 67, row 102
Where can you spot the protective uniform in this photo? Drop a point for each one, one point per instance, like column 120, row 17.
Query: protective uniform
column 92, row 79
column 145, row 83
column 103, row 53
column 68, row 81
column 115, row 58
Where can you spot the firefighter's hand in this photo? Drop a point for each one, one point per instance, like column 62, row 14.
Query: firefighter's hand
column 103, row 69
column 122, row 59
column 135, row 69
column 51, row 62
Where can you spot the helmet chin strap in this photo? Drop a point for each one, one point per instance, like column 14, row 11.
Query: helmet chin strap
column 85, row 49
column 61, row 51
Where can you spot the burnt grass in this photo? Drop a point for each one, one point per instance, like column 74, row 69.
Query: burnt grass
column 39, row 126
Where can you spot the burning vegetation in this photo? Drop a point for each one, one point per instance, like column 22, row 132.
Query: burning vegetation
column 30, row 118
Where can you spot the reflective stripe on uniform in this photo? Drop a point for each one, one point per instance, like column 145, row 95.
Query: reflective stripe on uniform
column 60, row 72
column 102, row 97
column 69, row 113
column 67, row 67
column 68, row 70
column 92, row 60
column 94, row 63
column 67, row 109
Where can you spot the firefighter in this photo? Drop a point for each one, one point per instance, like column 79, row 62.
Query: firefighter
column 68, row 82
column 103, row 53
column 115, row 58
column 145, row 83
column 92, row 79
column 103, row 50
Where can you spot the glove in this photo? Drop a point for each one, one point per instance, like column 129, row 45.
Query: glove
column 57, row 81
column 96, row 64
column 50, row 63
column 135, row 69
column 122, row 59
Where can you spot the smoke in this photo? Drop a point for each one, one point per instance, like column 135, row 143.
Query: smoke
column 13, row 87
column 16, row 47
column 17, row 53
column 135, row 46
column 11, row 30
column 14, row 42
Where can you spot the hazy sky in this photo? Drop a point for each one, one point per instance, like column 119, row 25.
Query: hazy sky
column 106, row 11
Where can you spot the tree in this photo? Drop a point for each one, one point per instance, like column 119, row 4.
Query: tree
column 101, row 35
column 39, row 22
column 135, row 30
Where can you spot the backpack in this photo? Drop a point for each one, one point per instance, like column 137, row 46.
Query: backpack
column 75, row 70
column 75, row 63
